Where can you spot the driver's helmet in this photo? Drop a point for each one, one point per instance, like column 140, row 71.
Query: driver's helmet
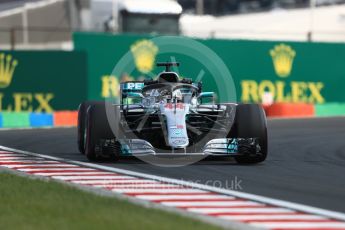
column 177, row 94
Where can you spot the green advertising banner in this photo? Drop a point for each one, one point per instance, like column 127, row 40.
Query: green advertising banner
column 42, row 81
column 287, row 71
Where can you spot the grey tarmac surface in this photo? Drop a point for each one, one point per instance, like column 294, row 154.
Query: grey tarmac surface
column 306, row 162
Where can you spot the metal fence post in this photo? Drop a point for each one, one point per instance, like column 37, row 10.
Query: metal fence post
column 13, row 38
column 199, row 7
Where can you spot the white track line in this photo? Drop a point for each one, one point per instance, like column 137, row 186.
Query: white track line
column 57, row 169
column 40, row 166
column 74, row 174
column 131, row 182
column 184, row 197
column 25, row 162
column 114, row 182
column 138, row 186
column 287, row 205
column 93, row 178
column 294, row 216
column 239, row 210
column 122, row 183
column 160, row 191
column 210, row 203
column 300, row 225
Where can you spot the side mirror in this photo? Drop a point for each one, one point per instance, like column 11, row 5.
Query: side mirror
column 207, row 97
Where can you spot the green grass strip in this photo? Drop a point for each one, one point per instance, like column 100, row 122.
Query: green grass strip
column 329, row 109
column 15, row 120
column 35, row 204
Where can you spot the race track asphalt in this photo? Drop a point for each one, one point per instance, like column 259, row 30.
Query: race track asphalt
column 306, row 162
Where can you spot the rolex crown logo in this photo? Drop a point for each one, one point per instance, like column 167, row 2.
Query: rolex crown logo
column 144, row 52
column 283, row 57
column 7, row 67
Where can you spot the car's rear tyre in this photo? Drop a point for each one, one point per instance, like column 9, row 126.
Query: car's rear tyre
column 250, row 122
column 98, row 129
column 81, row 123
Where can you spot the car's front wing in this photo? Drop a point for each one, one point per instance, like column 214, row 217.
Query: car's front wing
column 215, row 147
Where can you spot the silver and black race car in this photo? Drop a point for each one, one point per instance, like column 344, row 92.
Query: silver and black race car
column 171, row 116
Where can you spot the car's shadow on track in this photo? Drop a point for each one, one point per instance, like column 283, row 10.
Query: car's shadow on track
column 205, row 161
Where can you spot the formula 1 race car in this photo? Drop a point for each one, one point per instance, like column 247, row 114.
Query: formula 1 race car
column 170, row 116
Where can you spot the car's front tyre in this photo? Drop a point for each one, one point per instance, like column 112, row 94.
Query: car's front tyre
column 100, row 140
column 81, row 127
column 250, row 122
column 98, row 131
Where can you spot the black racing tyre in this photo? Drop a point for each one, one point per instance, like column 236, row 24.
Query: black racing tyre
column 250, row 122
column 81, row 123
column 97, row 129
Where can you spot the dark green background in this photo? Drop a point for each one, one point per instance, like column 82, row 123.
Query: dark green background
column 75, row 76
column 246, row 60
column 61, row 73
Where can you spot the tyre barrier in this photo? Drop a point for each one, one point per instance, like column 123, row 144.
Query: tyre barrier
column 330, row 109
column 27, row 119
column 295, row 110
column 65, row 118
column 290, row 110
column 69, row 118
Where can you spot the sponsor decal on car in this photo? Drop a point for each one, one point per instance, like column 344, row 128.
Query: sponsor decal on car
column 179, row 141
column 177, row 132
column 170, row 106
column 133, row 86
